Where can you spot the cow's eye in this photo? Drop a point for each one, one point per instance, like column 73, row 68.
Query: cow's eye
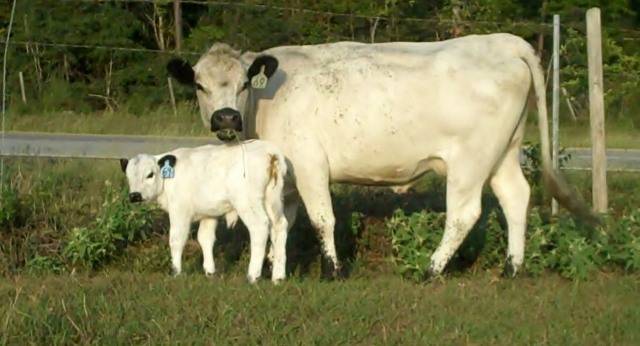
column 200, row 87
column 150, row 175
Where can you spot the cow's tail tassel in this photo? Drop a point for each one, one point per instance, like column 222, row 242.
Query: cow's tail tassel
column 553, row 180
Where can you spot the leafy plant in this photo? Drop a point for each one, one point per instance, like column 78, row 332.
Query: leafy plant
column 10, row 207
column 44, row 265
column 413, row 239
column 117, row 224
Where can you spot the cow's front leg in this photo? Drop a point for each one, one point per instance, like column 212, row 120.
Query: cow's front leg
column 178, row 234
column 312, row 181
column 207, row 238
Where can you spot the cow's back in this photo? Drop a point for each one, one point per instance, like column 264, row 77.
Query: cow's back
column 379, row 112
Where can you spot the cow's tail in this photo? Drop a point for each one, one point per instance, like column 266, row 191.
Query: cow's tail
column 553, row 180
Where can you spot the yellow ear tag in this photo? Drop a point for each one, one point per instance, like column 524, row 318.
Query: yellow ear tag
column 259, row 81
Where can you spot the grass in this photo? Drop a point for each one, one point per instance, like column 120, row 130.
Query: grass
column 160, row 121
column 120, row 307
column 187, row 122
column 132, row 300
column 622, row 134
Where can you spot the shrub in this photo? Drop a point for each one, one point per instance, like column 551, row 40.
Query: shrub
column 44, row 265
column 560, row 245
column 117, row 224
column 11, row 208
column 414, row 237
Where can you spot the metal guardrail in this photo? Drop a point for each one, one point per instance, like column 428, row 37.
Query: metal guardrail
column 34, row 144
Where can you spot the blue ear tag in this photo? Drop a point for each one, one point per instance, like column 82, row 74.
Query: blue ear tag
column 167, row 171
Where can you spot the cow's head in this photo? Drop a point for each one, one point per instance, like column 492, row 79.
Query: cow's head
column 222, row 78
column 144, row 176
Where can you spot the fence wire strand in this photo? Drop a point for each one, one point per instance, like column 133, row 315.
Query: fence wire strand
column 4, row 93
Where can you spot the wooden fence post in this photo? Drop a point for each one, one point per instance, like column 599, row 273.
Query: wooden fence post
column 177, row 20
column 22, row 91
column 596, row 111
column 556, row 101
column 172, row 96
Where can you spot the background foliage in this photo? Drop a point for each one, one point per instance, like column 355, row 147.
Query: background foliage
column 84, row 79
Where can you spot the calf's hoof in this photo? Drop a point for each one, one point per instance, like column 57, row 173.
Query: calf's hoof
column 174, row 272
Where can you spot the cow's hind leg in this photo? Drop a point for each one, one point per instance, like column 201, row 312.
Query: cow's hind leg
column 464, row 192
column 206, row 239
column 512, row 190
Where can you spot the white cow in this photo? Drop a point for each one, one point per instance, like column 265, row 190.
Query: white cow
column 384, row 114
column 211, row 181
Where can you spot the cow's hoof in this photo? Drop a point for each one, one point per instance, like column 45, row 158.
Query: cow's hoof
column 331, row 271
column 252, row 280
column 211, row 275
column 432, row 276
column 510, row 270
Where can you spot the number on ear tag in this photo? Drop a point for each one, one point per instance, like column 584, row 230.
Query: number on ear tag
column 259, row 81
column 167, row 171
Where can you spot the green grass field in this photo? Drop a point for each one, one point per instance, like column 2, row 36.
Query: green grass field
column 480, row 309
column 131, row 299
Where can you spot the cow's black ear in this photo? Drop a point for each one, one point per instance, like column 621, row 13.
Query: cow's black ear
column 181, row 71
column 123, row 165
column 270, row 66
column 170, row 158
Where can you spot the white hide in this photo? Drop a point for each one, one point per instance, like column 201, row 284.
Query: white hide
column 384, row 114
column 239, row 180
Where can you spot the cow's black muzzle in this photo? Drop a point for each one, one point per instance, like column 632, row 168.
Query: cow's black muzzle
column 225, row 122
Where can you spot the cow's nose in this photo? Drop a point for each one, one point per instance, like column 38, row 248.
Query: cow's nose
column 135, row 197
column 226, row 119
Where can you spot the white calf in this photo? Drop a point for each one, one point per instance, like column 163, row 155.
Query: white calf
column 211, row 181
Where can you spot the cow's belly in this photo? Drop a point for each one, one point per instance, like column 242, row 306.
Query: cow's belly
column 389, row 126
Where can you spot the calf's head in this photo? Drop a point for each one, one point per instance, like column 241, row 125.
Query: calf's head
column 222, row 78
column 144, row 176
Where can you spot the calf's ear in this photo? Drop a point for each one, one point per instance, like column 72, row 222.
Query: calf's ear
column 123, row 165
column 167, row 158
column 270, row 66
column 181, row 71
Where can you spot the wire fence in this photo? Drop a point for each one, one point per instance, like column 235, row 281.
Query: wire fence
column 29, row 44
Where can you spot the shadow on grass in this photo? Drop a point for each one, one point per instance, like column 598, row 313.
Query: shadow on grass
column 356, row 209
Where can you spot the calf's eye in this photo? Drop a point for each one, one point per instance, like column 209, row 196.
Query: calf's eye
column 150, row 175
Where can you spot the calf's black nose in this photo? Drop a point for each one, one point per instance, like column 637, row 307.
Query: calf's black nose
column 226, row 119
column 135, row 197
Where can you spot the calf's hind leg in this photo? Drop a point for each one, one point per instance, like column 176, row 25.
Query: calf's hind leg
column 206, row 239
column 257, row 222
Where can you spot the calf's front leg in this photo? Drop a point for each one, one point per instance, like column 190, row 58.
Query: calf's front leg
column 178, row 234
